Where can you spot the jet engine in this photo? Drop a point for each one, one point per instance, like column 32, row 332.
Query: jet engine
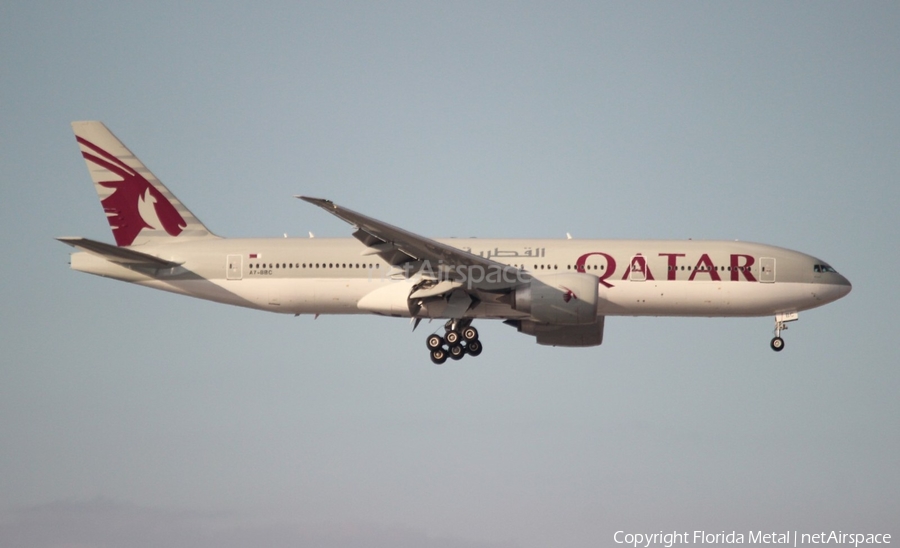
column 560, row 299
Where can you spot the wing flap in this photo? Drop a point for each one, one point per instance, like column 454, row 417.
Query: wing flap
column 440, row 288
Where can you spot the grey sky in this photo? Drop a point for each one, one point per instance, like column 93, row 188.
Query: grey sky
column 127, row 413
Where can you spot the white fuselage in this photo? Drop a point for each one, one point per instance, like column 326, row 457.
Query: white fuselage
column 636, row 277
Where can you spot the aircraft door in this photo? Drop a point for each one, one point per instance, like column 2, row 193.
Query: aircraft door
column 767, row 270
column 638, row 270
column 234, row 267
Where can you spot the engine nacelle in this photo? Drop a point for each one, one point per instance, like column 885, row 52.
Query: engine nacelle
column 562, row 335
column 560, row 299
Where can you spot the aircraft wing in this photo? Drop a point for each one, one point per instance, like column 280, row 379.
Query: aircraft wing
column 116, row 254
column 398, row 246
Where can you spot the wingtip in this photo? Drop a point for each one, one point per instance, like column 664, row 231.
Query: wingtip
column 322, row 202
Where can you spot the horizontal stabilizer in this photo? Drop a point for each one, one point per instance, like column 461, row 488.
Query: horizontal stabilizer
column 120, row 255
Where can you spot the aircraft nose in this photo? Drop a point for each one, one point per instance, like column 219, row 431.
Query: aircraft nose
column 844, row 285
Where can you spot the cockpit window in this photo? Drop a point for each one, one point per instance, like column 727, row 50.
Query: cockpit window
column 823, row 268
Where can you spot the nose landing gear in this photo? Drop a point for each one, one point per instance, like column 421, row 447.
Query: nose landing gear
column 781, row 321
column 459, row 339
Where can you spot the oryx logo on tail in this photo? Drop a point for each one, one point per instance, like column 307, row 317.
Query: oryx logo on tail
column 135, row 204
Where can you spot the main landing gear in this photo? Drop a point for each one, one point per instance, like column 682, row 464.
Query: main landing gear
column 459, row 339
column 781, row 321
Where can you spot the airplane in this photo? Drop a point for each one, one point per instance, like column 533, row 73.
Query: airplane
column 558, row 291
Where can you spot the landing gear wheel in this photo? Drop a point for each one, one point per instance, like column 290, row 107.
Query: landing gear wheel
column 457, row 352
column 474, row 348
column 438, row 356
column 452, row 337
column 433, row 342
column 777, row 344
column 469, row 334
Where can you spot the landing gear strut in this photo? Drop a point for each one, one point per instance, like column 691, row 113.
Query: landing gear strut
column 781, row 321
column 459, row 339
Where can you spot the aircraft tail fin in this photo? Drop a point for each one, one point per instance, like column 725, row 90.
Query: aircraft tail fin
column 139, row 208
